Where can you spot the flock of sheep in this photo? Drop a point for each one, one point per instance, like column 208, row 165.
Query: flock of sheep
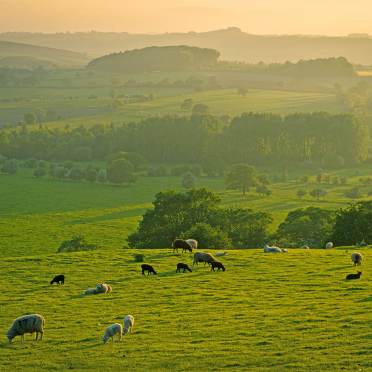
column 35, row 323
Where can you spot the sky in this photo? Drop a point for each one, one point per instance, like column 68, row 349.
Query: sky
column 327, row 17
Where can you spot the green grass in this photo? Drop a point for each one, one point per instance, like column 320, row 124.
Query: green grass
column 266, row 312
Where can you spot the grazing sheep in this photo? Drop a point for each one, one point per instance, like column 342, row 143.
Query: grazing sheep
column 128, row 324
column 357, row 258
column 59, row 279
column 305, row 247
column 148, row 268
column 27, row 324
column 203, row 257
column 362, row 244
column 268, row 249
column 217, row 265
column 329, row 245
column 284, row 250
column 111, row 331
column 192, row 243
column 220, row 254
column 353, row 276
column 182, row 266
column 180, row 243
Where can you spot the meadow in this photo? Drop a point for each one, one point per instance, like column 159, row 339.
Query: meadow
column 266, row 312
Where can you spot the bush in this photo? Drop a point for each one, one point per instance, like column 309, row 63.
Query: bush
column 139, row 257
column 90, row 174
column 10, row 167
column 120, row 171
column 39, row 172
column 354, row 193
column 102, row 176
column 76, row 244
column 76, row 174
column 188, row 181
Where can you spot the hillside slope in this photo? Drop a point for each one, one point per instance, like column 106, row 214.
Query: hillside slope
column 43, row 55
column 232, row 43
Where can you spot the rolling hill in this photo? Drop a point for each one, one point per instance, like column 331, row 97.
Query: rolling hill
column 233, row 44
column 18, row 54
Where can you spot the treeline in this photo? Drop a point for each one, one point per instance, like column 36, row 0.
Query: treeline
column 256, row 139
column 198, row 214
column 167, row 58
column 320, row 67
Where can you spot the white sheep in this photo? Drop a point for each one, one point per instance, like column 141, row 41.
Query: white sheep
column 329, row 245
column 128, row 324
column 192, row 243
column 90, row 291
column 220, row 254
column 357, row 258
column 268, row 249
column 27, row 324
column 100, row 288
column 305, row 247
column 111, row 331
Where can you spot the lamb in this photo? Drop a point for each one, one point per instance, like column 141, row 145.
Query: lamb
column 27, row 324
column 217, row 265
column 180, row 243
column 111, row 331
column 59, row 279
column 268, row 249
column 357, row 258
column 128, row 324
column 182, row 266
column 329, row 245
column 192, row 243
column 220, row 254
column 148, row 268
column 203, row 257
column 353, row 276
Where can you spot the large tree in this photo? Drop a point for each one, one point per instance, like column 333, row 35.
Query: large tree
column 241, row 177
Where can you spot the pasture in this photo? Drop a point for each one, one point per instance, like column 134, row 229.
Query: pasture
column 276, row 312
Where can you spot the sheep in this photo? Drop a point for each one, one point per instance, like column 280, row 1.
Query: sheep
column 305, row 247
column 353, row 276
column 268, row 249
column 180, row 243
column 148, row 268
column 27, row 324
column 192, row 243
column 59, row 279
column 128, row 324
column 103, row 288
column 357, row 258
column 217, row 265
column 329, row 245
column 100, row 288
column 203, row 257
column 182, row 266
column 220, row 254
column 111, row 331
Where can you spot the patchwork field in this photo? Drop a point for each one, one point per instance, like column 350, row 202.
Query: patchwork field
column 280, row 312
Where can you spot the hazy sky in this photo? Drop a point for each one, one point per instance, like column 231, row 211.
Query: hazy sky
column 332, row 17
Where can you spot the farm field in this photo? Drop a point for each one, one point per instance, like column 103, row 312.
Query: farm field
column 266, row 312
column 90, row 105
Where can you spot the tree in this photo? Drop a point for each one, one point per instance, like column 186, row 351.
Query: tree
column 29, row 118
column 208, row 237
column 264, row 179
column 10, row 167
column 102, row 176
column 173, row 214
column 90, row 174
column 354, row 193
column 76, row 174
column 353, row 224
column 241, row 177
column 200, row 109
column 301, row 193
column 120, row 171
column 187, row 104
column 188, row 181
column 318, row 193
column 263, row 190
column 39, row 172
column 311, row 226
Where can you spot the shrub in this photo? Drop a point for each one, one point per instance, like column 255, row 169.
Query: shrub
column 39, row 172
column 139, row 257
column 76, row 244
column 188, row 181
column 10, row 166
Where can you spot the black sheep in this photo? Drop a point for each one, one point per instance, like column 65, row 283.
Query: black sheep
column 182, row 266
column 218, row 265
column 148, row 268
column 353, row 276
column 180, row 243
column 59, row 279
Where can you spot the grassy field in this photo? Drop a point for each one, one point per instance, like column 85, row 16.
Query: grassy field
column 265, row 312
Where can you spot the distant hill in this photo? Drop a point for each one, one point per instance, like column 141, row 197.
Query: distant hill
column 166, row 58
column 232, row 43
column 30, row 56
